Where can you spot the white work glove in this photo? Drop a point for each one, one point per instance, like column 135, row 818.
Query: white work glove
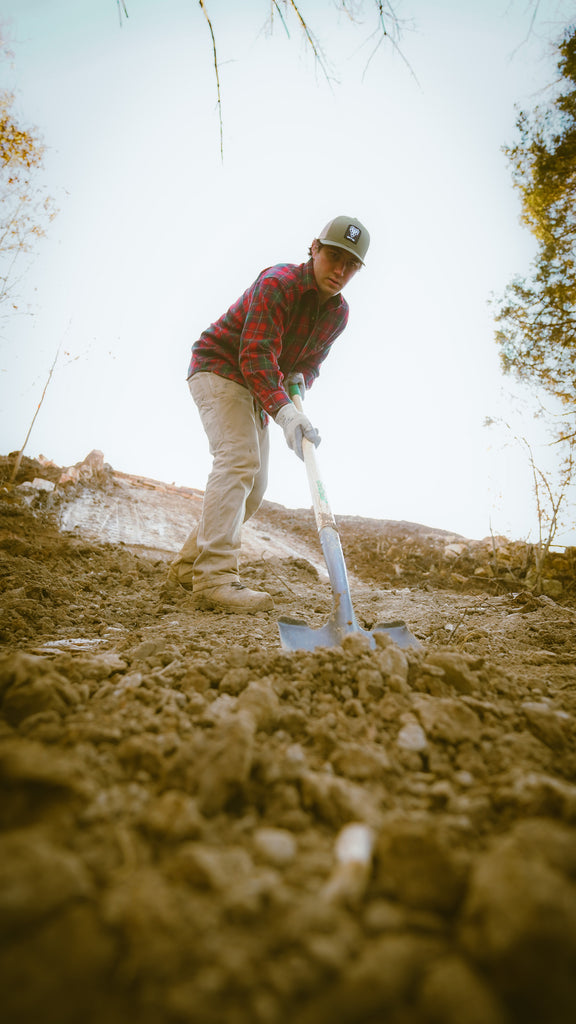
column 298, row 380
column 296, row 427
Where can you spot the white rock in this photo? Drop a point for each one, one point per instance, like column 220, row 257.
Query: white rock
column 276, row 845
column 412, row 737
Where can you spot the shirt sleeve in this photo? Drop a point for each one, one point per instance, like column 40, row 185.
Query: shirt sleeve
column 266, row 322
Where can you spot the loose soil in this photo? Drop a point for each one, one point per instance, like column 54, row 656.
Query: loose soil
column 198, row 827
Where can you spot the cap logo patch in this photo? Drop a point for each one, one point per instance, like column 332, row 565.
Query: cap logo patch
column 352, row 233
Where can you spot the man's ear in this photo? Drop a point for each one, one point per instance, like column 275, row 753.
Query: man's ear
column 315, row 248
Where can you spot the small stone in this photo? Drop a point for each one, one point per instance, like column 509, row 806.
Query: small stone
column 412, row 737
column 277, row 846
column 360, row 762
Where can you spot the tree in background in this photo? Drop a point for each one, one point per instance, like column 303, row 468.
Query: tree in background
column 25, row 209
column 537, row 317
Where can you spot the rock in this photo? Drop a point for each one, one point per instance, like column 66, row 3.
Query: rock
column 148, row 915
column 142, row 753
column 543, row 839
column 36, row 879
column 260, row 702
column 536, row 794
column 27, row 762
column 554, row 728
column 519, row 923
column 37, row 484
column 234, row 681
column 358, row 762
column 277, row 846
column 392, row 662
column 35, row 781
column 62, row 972
column 415, row 866
column 224, row 768
column 208, row 867
column 460, row 670
column 30, row 685
column 370, row 684
column 173, row 816
column 412, row 737
column 335, row 800
column 446, row 719
column 378, row 981
column 350, row 875
column 356, row 644
column 452, row 992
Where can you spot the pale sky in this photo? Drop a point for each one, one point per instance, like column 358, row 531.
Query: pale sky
column 156, row 237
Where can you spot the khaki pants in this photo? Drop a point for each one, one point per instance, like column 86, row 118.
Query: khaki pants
column 239, row 445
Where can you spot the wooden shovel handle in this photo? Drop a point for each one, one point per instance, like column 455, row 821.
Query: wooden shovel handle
column 322, row 510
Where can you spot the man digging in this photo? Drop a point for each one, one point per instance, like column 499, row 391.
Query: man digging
column 276, row 334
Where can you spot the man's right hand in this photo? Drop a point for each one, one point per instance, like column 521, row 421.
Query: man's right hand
column 296, row 427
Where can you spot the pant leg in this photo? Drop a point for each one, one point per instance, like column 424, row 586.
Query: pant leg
column 236, row 484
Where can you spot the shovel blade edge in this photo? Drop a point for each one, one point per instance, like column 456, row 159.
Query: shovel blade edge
column 297, row 636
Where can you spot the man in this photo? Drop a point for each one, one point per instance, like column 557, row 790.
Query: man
column 277, row 333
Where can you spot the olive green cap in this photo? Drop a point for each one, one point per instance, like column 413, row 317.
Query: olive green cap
column 346, row 233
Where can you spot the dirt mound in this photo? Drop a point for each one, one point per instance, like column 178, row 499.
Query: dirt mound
column 197, row 827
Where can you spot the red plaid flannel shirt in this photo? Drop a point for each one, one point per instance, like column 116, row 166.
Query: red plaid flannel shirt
column 276, row 327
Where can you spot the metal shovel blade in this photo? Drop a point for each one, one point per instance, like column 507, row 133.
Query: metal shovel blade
column 295, row 635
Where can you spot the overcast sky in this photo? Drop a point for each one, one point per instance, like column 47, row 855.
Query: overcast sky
column 156, row 236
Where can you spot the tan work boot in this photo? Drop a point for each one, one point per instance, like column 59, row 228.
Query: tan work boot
column 235, row 597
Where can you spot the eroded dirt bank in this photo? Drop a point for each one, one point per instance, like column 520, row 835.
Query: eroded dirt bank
column 175, row 788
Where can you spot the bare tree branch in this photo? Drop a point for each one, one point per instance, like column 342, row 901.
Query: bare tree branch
column 385, row 34
column 205, row 13
column 18, row 459
column 316, row 49
column 276, row 6
column 122, row 10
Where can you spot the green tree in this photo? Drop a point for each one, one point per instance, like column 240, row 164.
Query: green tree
column 537, row 316
column 25, row 208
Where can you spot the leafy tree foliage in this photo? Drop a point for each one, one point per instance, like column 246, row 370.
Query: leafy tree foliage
column 25, row 210
column 537, row 317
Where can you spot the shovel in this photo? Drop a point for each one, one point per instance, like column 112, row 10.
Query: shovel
column 295, row 635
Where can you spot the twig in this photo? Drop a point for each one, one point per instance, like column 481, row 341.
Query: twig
column 21, row 452
column 122, row 10
column 277, row 575
column 318, row 55
column 281, row 16
column 386, row 35
column 205, row 13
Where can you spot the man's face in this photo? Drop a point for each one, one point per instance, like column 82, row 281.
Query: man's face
column 333, row 268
